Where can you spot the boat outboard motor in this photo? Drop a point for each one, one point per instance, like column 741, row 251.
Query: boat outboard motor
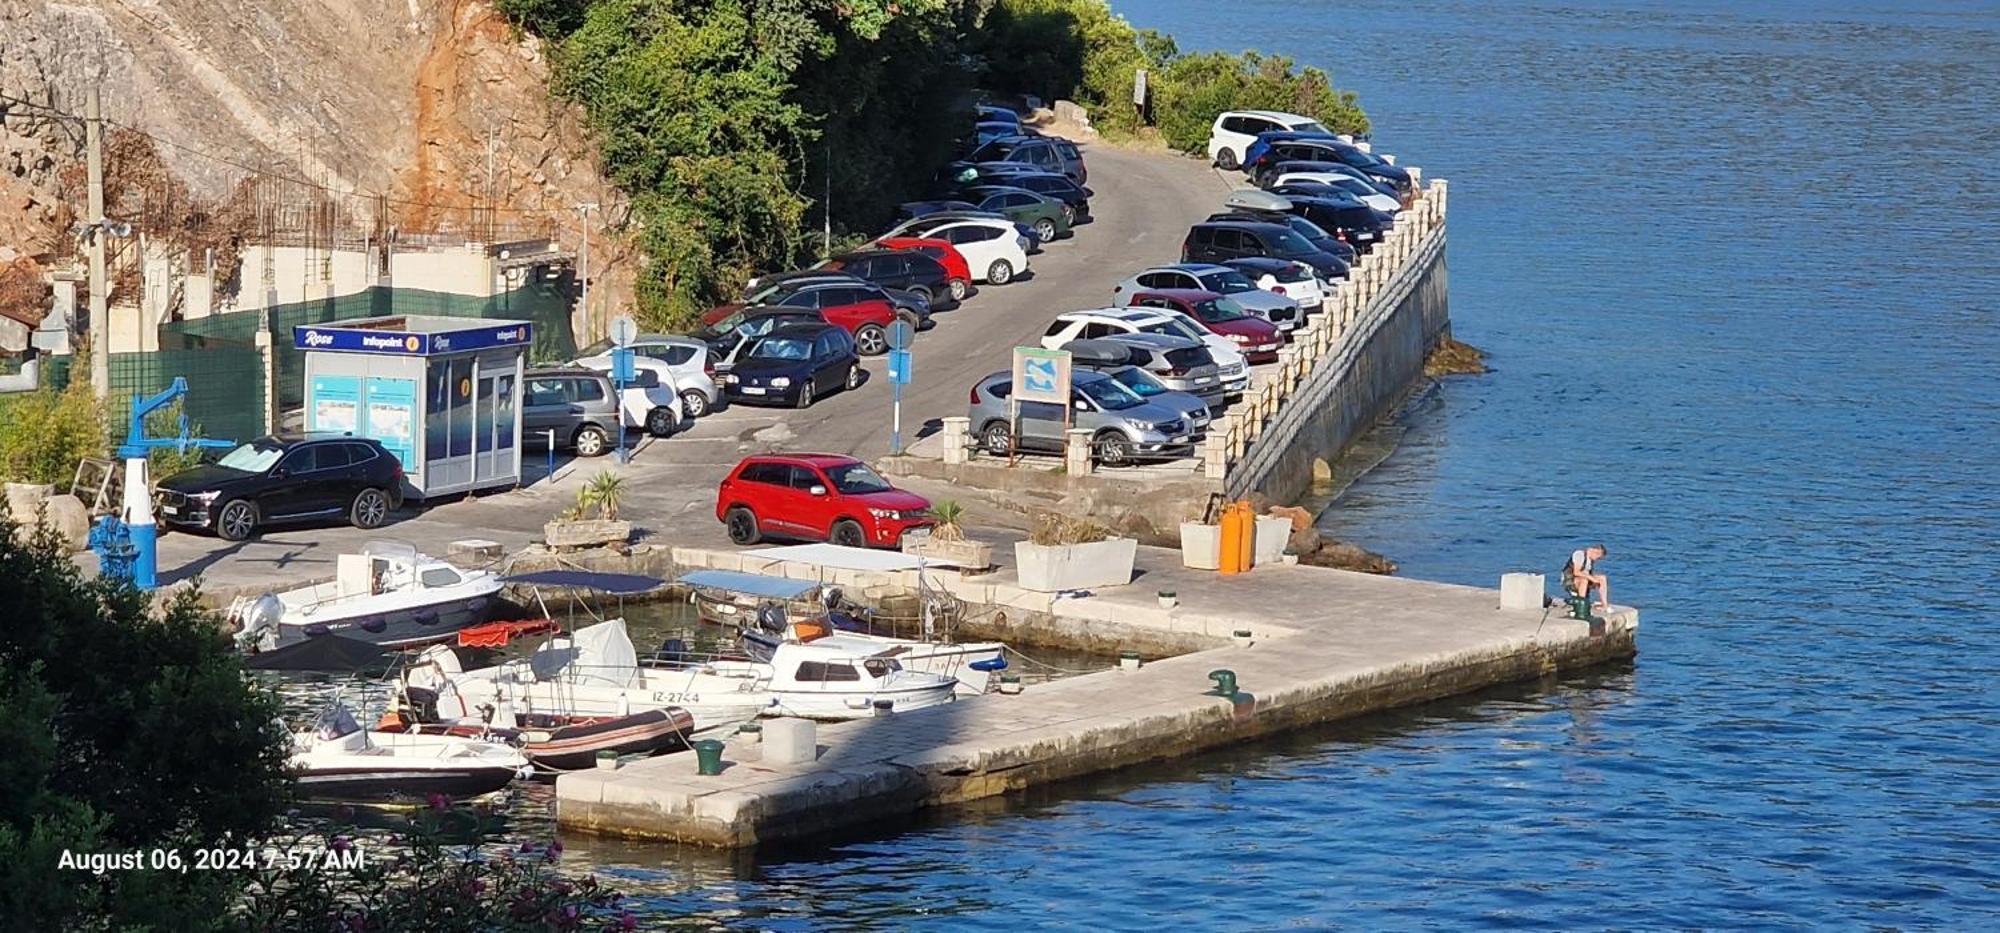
column 771, row 618
column 259, row 620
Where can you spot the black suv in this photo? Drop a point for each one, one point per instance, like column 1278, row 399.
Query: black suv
column 1333, row 150
column 898, row 269
column 1360, row 225
column 1323, row 240
column 1221, row 241
column 286, row 478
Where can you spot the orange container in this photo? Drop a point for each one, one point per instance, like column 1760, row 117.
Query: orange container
column 1232, row 539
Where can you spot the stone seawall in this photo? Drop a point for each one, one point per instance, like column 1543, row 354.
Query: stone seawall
column 1348, row 391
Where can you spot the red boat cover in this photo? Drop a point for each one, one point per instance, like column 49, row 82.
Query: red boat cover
column 498, row 634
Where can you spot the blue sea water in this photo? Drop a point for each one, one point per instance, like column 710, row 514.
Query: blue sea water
column 1736, row 267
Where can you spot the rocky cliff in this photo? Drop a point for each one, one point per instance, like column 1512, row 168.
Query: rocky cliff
column 424, row 106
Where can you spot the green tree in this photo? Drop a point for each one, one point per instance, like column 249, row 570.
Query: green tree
column 129, row 728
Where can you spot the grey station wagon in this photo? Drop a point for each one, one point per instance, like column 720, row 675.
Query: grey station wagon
column 1125, row 428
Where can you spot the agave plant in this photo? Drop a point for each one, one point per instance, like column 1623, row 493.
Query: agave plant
column 949, row 516
column 603, row 494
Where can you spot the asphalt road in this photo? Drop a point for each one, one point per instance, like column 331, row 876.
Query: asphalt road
column 1144, row 203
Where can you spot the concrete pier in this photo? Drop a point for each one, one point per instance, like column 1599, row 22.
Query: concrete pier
column 1327, row 644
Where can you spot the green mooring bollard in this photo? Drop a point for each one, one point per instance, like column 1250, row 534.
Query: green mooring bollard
column 708, row 757
column 1225, row 682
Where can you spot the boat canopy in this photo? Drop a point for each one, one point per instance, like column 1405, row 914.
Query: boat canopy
column 749, row 584
column 621, row 584
column 601, row 652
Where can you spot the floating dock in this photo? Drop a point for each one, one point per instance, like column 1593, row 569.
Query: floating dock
column 1325, row 645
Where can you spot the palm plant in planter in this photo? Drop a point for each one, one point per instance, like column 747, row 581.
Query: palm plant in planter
column 592, row 521
column 947, row 540
column 1066, row 553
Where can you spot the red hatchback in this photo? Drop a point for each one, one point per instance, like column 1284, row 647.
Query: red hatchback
column 941, row 250
column 1257, row 339
column 819, row 497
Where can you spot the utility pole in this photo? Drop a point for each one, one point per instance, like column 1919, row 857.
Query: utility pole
column 100, row 316
column 583, row 270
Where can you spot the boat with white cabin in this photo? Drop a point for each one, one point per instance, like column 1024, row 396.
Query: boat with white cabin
column 388, row 595
column 771, row 611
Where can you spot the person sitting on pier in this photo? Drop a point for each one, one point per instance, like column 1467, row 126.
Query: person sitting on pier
column 1580, row 574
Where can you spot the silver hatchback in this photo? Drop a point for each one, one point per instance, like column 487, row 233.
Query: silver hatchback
column 1180, row 363
column 1125, row 428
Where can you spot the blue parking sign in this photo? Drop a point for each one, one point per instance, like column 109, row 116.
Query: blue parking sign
column 899, row 367
column 621, row 365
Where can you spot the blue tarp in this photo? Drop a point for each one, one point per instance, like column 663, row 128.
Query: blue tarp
column 622, row 584
column 751, row 584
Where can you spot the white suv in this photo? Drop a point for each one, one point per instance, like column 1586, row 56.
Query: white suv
column 994, row 248
column 1111, row 322
column 1235, row 130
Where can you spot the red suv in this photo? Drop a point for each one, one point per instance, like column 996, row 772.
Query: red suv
column 824, row 497
column 1257, row 339
column 856, row 308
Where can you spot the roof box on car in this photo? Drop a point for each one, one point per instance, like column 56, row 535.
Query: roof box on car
column 1098, row 353
column 1252, row 199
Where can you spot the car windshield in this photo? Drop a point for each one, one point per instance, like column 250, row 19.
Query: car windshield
column 856, row 479
column 771, row 294
column 1288, row 243
column 1176, row 326
column 1227, row 283
column 1310, row 126
column 1139, row 381
column 719, row 328
column 1109, row 395
column 781, row 348
column 602, row 346
column 1219, row 311
column 993, row 151
column 254, row 457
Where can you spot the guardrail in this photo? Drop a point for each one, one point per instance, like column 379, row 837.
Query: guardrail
column 1321, row 348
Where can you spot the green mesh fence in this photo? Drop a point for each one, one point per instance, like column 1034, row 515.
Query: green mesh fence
column 225, row 388
column 544, row 304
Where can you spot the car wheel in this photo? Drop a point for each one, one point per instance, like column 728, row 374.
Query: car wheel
column 997, row 440
column 660, row 421
column 959, row 289
column 591, row 441
column 695, row 402
column 236, row 521
column 854, row 377
column 924, row 292
column 1113, row 449
column 847, row 533
column 742, row 524
column 370, row 509
column 1226, row 160
column 806, row 393
column 870, row 340
column 1046, row 229
column 1000, row 273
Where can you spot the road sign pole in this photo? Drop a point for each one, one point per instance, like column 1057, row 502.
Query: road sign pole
column 901, row 335
column 896, row 422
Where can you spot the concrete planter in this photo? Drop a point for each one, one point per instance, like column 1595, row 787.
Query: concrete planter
column 1201, row 546
column 1051, row 569
column 971, row 555
column 589, row 533
column 1273, row 533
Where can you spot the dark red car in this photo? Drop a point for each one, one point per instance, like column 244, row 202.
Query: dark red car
column 1256, row 338
column 942, row 251
column 845, row 302
column 819, row 497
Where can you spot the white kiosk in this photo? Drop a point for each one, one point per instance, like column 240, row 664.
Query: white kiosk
column 441, row 393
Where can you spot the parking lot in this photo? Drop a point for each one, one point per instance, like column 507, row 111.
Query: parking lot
column 1145, row 202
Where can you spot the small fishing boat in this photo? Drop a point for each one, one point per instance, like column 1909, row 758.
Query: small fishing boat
column 337, row 760
column 592, row 674
column 832, row 680
column 551, row 743
column 388, row 595
column 771, row 611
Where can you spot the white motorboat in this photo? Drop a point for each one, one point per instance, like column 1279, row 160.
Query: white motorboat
column 387, row 595
column 830, row 678
column 594, row 672
column 759, row 608
column 340, row 761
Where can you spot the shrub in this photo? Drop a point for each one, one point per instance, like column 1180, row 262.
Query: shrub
column 45, row 432
column 1055, row 529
